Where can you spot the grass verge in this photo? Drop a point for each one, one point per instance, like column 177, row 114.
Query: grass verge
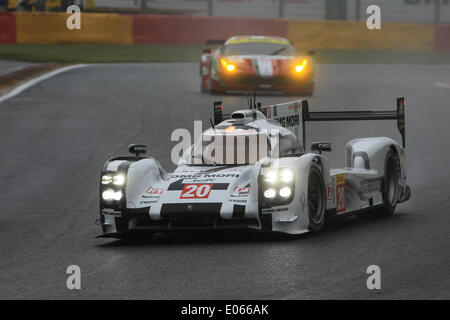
column 104, row 53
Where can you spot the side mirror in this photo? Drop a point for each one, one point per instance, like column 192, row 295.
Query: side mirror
column 207, row 50
column 320, row 146
column 137, row 149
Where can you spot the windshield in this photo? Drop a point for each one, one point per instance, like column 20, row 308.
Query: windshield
column 258, row 48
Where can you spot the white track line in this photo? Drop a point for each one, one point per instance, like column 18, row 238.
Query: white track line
column 32, row 82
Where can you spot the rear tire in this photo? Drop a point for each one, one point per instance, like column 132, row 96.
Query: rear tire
column 390, row 185
column 316, row 199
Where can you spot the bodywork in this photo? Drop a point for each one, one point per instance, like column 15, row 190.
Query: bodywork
column 283, row 72
column 199, row 196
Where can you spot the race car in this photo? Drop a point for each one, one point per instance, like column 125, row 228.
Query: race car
column 256, row 63
column 250, row 170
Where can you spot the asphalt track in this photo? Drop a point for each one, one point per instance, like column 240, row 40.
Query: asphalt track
column 55, row 136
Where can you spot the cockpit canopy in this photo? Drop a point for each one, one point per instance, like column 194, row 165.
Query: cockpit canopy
column 245, row 138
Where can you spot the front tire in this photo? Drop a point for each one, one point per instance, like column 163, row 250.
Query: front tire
column 316, row 199
column 390, row 185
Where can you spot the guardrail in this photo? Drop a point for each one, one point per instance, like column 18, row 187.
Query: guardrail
column 187, row 30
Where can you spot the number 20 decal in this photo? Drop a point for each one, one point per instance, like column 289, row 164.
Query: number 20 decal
column 196, row 191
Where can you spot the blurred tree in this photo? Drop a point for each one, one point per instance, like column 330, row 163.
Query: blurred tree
column 3, row 5
column 25, row 5
column 66, row 3
column 40, row 5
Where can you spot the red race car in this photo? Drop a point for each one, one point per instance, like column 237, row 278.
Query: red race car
column 256, row 63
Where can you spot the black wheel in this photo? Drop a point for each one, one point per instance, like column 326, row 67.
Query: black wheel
column 316, row 199
column 390, row 186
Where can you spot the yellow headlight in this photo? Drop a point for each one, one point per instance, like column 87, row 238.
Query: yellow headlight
column 228, row 66
column 300, row 67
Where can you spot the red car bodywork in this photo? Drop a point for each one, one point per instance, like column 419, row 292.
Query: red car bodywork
column 256, row 72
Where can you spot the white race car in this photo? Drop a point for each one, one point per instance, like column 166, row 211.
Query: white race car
column 276, row 187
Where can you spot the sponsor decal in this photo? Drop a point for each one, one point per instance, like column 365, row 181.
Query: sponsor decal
column 199, row 180
column 274, row 210
column 148, row 202
column 295, row 106
column 289, row 121
column 340, row 193
column 202, row 175
column 196, row 191
column 370, row 185
column 153, row 190
column 241, row 190
column 329, row 192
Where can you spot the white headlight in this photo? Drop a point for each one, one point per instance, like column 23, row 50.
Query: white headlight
column 269, row 193
column 119, row 179
column 287, row 175
column 106, row 179
column 271, row 176
column 117, row 195
column 110, row 194
column 285, row 192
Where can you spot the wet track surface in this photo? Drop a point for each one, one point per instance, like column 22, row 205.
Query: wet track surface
column 55, row 136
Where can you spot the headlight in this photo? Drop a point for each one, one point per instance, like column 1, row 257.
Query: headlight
column 119, row 179
column 271, row 176
column 226, row 65
column 299, row 68
column 285, row 192
column 106, row 179
column 110, row 194
column 270, row 193
column 287, row 175
column 277, row 186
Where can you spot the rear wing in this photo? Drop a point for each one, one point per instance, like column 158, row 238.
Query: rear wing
column 398, row 115
column 293, row 115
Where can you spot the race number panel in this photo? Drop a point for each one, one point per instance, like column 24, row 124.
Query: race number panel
column 340, row 193
column 196, row 191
